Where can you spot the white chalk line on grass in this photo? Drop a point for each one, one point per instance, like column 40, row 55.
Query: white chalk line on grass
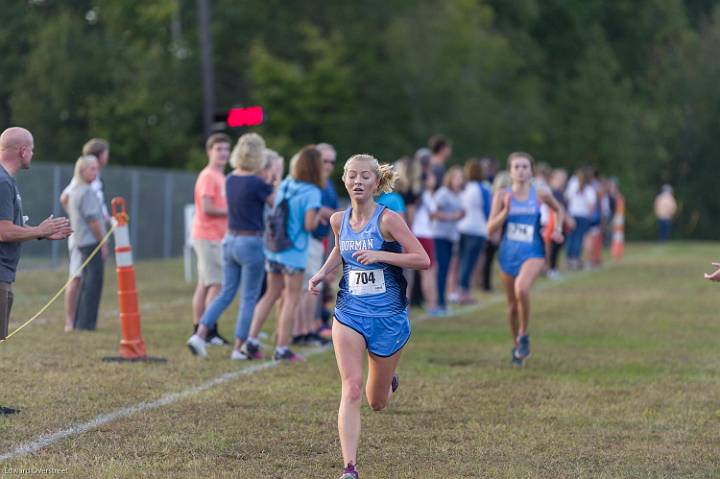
column 49, row 439
column 46, row 440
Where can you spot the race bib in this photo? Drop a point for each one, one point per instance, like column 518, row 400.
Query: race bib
column 520, row 232
column 366, row 282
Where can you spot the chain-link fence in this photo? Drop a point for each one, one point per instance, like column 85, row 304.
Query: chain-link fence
column 155, row 200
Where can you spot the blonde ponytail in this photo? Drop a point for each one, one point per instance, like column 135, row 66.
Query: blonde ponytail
column 386, row 174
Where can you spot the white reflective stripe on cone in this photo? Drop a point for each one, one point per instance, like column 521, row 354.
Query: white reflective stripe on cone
column 122, row 236
column 123, row 258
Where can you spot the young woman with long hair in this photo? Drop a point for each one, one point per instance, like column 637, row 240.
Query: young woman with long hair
column 449, row 211
column 373, row 244
column 581, row 199
column 516, row 210
column 285, row 269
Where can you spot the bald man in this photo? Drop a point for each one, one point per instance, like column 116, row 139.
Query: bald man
column 16, row 152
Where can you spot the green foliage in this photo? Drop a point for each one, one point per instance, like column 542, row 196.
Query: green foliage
column 107, row 71
column 628, row 86
column 305, row 99
column 688, row 103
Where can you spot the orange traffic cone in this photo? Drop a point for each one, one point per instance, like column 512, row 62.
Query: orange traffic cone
column 618, row 238
column 132, row 345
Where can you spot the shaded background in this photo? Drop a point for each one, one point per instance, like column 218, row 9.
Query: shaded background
column 629, row 86
column 155, row 200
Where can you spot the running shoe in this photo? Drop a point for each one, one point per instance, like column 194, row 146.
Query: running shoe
column 523, row 348
column 438, row 312
column 251, row 350
column 299, row 340
column 350, row 472
column 288, row 356
column 554, row 274
column 516, row 361
column 395, row 383
column 197, row 346
column 238, row 355
column 6, row 411
column 314, row 339
column 214, row 338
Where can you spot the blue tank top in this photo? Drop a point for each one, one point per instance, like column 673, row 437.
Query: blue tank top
column 521, row 237
column 373, row 290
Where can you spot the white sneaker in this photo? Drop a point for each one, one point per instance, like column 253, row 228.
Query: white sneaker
column 554, row 274
column 215, row 341
column 196, row 344
column 238, row 355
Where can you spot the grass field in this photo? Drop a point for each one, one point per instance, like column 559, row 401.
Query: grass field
column 624, row 382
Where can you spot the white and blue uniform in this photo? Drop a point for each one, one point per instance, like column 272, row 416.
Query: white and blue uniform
column 371, row 298
column 521, row 239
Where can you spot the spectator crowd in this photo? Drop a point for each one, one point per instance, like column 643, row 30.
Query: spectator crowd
column 264, row 234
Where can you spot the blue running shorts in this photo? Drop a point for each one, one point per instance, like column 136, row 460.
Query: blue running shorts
column 384, row 336
column 511, row 267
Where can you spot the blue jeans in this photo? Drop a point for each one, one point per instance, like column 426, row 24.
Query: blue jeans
column 243, row 261
column 575, row 238
column 470, row 248
column 443, row 255
column 664, row 229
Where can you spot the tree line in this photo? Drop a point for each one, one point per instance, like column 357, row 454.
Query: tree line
column 628, row 86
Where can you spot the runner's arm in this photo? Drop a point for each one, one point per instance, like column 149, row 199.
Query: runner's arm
column 715, row 275
column 334, row 259
column 498, row 211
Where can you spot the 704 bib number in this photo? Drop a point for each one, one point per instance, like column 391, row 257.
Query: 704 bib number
column 523, row 233
column 366, row 282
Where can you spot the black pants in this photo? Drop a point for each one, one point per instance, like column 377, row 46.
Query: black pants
column 490, row 250
column 6, row 302
column 554, row 253
column 91, row 284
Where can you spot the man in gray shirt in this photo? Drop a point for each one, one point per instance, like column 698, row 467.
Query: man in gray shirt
column 16, row 152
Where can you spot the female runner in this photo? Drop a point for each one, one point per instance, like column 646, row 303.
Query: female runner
column 373, row 244
column 516, row 210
